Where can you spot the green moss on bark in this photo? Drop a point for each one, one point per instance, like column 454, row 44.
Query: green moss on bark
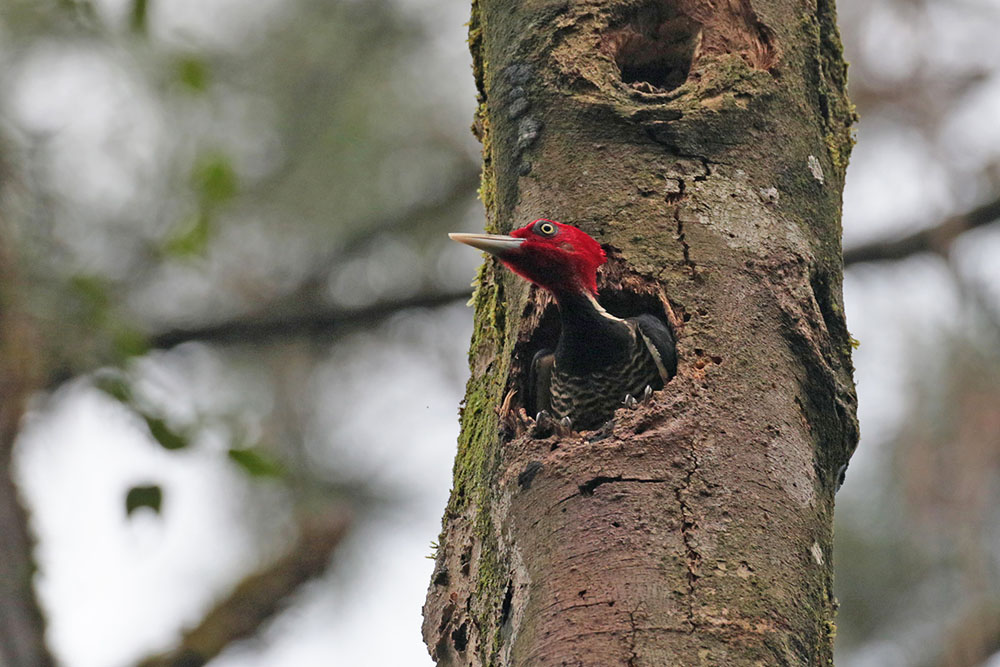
column 838, row 112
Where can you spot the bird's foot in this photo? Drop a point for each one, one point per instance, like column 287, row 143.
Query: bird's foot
column 545, row 425
column 632, row 402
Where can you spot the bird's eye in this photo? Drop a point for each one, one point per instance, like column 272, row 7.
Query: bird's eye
column 545, row 228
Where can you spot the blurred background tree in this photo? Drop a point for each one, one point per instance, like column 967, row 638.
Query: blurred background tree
column 222, row 227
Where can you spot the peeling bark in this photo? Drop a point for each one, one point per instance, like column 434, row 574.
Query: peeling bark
column 704, row 145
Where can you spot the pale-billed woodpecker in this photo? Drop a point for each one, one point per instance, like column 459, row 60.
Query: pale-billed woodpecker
column 601, row 361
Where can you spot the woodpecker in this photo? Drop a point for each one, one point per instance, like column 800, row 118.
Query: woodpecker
column 601, row 361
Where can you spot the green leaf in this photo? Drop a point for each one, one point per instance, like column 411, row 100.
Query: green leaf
column 855, row 343
column 193, row 74
column 255, row 463
column 93, row 293
column 140, row 11
column 163, row 434
column 143, row 496
column 191, row 237
column 215, row 179
column 114, row 385
column 130, row 342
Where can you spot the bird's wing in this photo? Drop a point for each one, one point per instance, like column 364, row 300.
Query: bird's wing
column 660, row 342
column 540, row 381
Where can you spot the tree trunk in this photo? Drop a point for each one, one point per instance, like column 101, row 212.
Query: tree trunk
column 22, row 629
column 704, row 145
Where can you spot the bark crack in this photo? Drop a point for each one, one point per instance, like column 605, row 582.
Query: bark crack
column 708, row 170
column 633, row 631
column 587, row 488
column 583, row 605
column 688, row 525
column 673, row 198
column 685, row 246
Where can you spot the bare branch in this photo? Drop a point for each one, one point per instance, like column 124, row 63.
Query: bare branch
column 933, row 239
column 460, row 190
column 258, row 597
column 357, row 238
column 22, row 626
column 975, row 636
column 270, row 327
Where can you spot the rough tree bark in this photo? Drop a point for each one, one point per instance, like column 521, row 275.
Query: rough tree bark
column 704, row 144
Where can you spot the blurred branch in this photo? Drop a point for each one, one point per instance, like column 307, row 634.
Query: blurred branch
column 258, row 597
column 974, row 637
column 933, row 239
column 22, row 626
column 978, row 295
column 353, row 242
column 925, row 99
column 460, row 190
column 269, row 327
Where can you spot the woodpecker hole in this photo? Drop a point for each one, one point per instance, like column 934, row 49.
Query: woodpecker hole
column 460, row 637
column 621, row 303
column 655, row 47
column 465, row 560
column 656, row 44
column 446, row 614
column 508, row 602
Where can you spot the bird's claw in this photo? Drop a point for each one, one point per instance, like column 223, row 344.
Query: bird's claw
column 631, row 402
column 545, row 425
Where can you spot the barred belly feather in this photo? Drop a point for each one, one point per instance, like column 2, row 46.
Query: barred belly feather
column 589, row 399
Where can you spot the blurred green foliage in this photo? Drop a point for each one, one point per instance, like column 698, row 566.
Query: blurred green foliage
column 191, row 236
column 192, row 72
column 150, row 496
column 140, row 12
column 256, row 463
column 164, row 434
column 214, row 179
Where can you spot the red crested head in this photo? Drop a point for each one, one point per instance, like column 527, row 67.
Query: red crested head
column 558, row 257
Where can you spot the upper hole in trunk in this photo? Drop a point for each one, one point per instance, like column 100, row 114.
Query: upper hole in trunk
column 655, row 48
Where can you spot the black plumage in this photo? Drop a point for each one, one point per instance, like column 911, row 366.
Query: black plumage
column 599, row 360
